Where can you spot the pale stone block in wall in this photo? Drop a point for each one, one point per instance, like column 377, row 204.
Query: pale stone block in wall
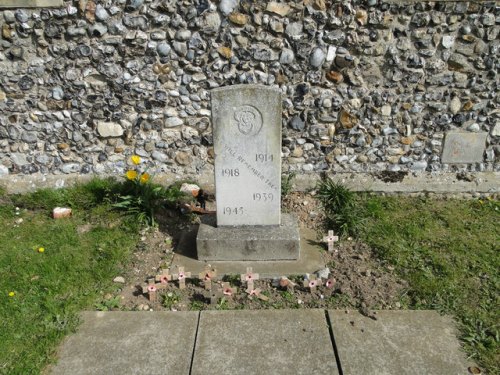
column 461, row 147
column 30, row 3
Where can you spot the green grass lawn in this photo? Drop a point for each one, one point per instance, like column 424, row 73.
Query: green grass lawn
column 42, row 292
column 449, row 251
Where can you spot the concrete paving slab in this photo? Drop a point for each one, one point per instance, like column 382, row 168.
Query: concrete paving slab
column 310, row 259
column 398, row 342
column 120, row 342
column 264, row 342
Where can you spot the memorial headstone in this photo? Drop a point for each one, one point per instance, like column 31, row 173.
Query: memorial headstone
column 247, row 145
column 246, row 122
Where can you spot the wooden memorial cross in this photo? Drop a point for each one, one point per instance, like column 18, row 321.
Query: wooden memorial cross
column 207, row 276
column 224, row 290
column 228, row 290
column 151, row 288
column 256, row 293
column 164, row 277
column 330, row 283
column 214, row 295
column 181, row 276
column 249, row 278
column 312, row 283
column 330, row 239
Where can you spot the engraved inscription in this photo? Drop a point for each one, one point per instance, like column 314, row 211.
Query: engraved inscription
column 233, row 211
column 255, row 172
column 263, row 197
column 248, row 120
column 264, row 157
column 230, row 172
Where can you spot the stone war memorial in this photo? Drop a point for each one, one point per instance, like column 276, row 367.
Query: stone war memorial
column 247, row 143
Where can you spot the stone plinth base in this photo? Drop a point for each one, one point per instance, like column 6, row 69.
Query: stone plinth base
column 249, row 243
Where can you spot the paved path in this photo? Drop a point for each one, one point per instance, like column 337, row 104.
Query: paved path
column 262, row 342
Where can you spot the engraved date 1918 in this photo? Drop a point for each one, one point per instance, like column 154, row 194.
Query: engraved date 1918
column 232, row 211
column 263, row 197
column 230, row 172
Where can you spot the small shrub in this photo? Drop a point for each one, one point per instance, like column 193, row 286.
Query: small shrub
column 342, row 210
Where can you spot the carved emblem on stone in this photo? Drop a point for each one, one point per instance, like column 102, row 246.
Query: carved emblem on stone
column 248, row 120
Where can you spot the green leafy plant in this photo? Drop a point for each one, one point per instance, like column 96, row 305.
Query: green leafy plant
column 196, row 305
column 139, row 196
column 287, row 183
column 170, row 299
column 343, row 213
column 222, row 304
column 108, row 304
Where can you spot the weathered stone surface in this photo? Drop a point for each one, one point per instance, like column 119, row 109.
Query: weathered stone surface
column 247, row 140
column 280, row 9
column 397, row 342
column 109, row 129
column 222, row 243
column 115, row 343
column 462, row 147
column 4, row 170
column 30, row 3
column 220, row 351
column 153, row 64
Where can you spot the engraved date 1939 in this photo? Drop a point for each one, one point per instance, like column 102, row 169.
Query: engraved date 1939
column 232, row 211
column 263, row 197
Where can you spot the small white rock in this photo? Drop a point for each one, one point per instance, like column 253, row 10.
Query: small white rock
column 119, row 280
column 190, row 188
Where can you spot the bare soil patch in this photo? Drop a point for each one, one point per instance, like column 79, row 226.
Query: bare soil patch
column 361, row 281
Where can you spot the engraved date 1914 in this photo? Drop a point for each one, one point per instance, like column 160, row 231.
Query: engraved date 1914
column 264, row 157
column 232, row 211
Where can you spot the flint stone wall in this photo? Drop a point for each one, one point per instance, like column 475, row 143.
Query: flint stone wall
column 368, row 86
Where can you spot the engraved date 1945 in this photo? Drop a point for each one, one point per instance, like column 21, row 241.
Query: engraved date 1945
column 232, row 211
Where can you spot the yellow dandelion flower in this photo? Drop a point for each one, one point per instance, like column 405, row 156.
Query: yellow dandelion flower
column 131, row 175
column 12, row 294
column 144, row 178
column 136, row 159
column 41, row 249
